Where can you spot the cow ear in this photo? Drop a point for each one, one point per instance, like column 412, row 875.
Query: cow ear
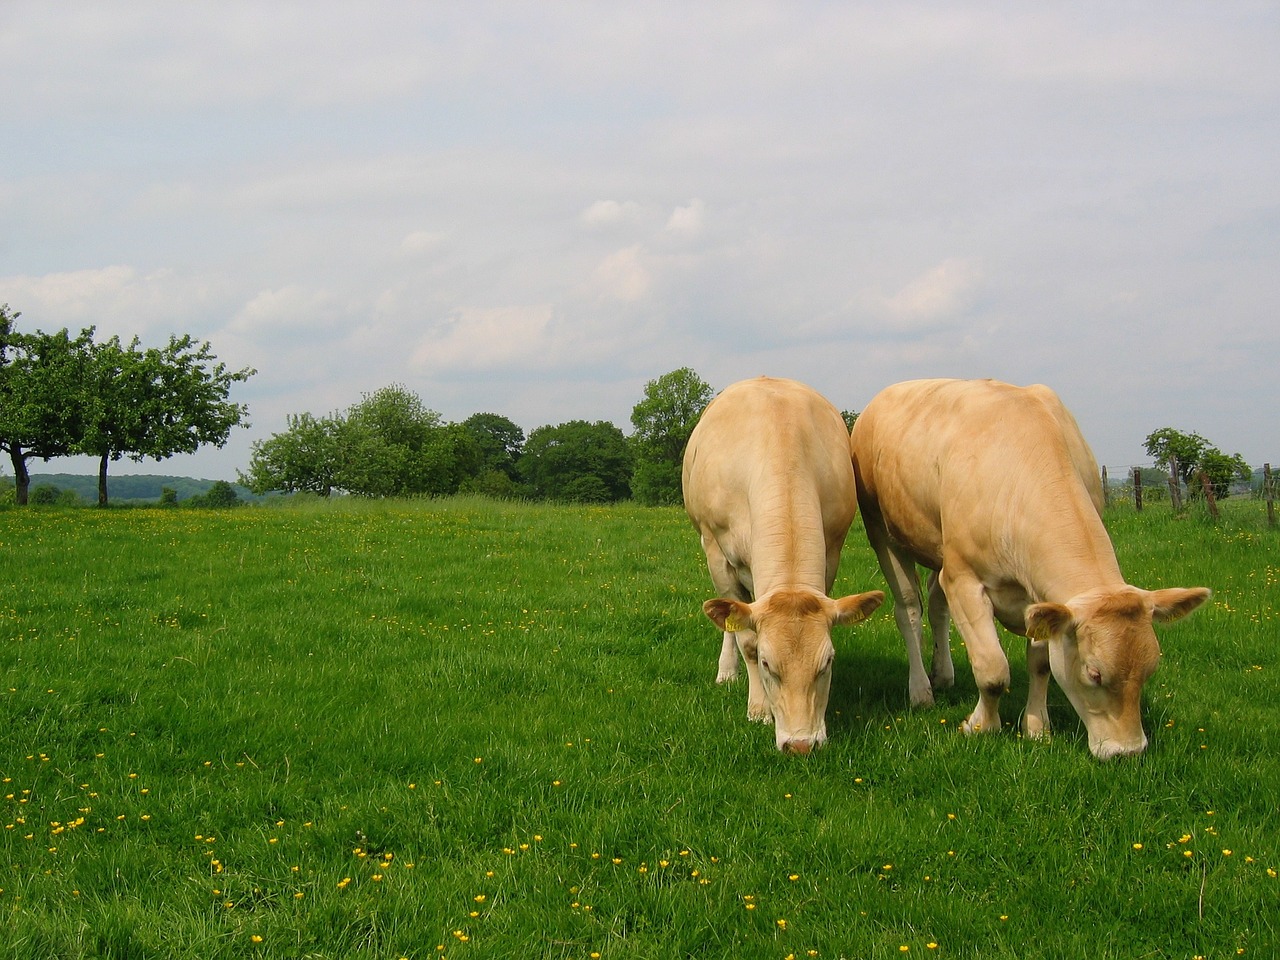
column 1174, row 603
column 1045, row 621
column 729, row 615
column 854, row 609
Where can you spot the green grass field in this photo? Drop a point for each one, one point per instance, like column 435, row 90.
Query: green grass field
column 459, row 729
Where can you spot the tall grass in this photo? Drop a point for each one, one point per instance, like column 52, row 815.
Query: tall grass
column 462, row 729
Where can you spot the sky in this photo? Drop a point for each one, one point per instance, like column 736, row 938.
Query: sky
column 534, row 209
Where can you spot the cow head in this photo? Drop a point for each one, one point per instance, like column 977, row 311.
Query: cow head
column 1102, row 649
column 786, row 639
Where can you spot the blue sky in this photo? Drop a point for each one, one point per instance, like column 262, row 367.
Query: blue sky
column 533, row 209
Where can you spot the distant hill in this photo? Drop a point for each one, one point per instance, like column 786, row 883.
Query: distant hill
column 130, row 488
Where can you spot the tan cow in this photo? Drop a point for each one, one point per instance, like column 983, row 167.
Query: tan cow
column 993, row 487
column 769, row 487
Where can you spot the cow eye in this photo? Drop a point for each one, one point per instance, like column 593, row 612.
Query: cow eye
column 1094, row 675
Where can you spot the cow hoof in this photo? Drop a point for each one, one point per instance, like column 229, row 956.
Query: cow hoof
column 759, row 715
column 726, row 676
column 1035, row 728
column 921, row 696
column 943, row 681
column 922, row 700
column 975, row 724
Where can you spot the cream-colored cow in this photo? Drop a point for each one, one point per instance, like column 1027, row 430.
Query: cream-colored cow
column 993, row 487
column 769, row 487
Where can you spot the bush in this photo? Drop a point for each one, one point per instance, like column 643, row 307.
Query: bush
column 218, row 497
column 44, row 495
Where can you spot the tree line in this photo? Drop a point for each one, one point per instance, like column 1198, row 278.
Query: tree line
column 62, row 395
column 390, row 444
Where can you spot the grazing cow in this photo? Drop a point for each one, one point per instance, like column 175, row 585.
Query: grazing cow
column 769, row 488
column 992, row 488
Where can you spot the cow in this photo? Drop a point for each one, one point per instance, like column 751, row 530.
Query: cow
column 992, row 488
column 769, row 487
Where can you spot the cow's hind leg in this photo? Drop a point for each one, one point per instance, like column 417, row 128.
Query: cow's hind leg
column 943, row 674
column 1035, row 722
column 973, row 615
column 904, row 583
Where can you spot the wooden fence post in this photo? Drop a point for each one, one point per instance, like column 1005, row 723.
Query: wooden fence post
column 1137, row 489
column 1268, row 491
column 1106, row 490
column 1175, row 487
column 1209, row 500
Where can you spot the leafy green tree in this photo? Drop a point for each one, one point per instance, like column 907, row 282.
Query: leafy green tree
column 157, row 402
column 392, row 445
column 663, row 420
column 499, row 440
column 42, row 395
column 556, row 460
column 303, row 459
column 1193, row 454
column 220, row 496
column 1222, row 470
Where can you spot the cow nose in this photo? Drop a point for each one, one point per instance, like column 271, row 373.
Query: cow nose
column 1109, row 749
column 798, row 747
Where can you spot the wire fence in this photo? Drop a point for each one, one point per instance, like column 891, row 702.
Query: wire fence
column 1139, row 485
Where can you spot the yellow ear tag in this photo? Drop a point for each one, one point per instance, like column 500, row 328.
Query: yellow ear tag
column 732, row 624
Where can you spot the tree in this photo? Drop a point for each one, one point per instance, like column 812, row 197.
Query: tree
column 1221, row 470
column 558, row 460
column 220, row 496
column 157, row 402
column 850, row 418
column 663, row 420
column 1193, row 453
column 305, row 458
column 42, row 395
column 392, row 445
column 500, row 442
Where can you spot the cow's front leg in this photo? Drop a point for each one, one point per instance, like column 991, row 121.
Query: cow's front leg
column 728, row 666
column 757, row 703
column 1035, row 722
column 973, row 614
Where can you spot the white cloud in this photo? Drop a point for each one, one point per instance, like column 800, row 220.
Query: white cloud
column 939, row 295
column 117, row 300
column 623, row 275
column 609, row 212
column 687, row 220
column 421, row 243
column 285, row 311
column 480, row 339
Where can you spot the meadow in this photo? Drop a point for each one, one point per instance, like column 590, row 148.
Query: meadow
column 464, row 729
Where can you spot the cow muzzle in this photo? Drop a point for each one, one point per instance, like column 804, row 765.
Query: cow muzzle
column 797, row 747
column 1108, row 749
